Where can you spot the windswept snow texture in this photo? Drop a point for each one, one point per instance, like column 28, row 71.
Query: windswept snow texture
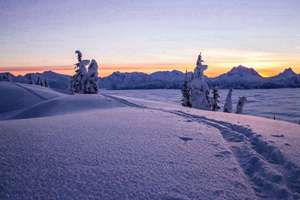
column 132, row 148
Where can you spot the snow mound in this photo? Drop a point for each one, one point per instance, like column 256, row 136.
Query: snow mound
column 21, row 101
column 68, row 104
column 15, row 96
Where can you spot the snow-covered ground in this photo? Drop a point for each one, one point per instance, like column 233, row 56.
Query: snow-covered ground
column 109, row 146
column 282, row 103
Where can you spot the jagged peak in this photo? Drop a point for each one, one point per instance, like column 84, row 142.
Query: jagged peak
column 288, row 72
column 240, row 69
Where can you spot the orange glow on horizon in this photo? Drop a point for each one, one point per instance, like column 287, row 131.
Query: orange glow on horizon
column 106, row 70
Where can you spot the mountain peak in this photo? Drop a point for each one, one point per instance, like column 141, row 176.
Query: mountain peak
column 287, row 72
column 241, row 70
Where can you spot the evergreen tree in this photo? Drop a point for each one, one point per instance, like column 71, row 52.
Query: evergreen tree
column 77, row 82
column 38, row 81
column 91, row 86
column 240, row 105
column 186, row 92
column 30, row 81
column 228, row 102
column 199, row 88
column 85, row 81
column 215, row 100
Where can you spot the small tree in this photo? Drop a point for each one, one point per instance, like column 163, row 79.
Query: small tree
column 215, row 99
column 30, row 81
column 240, row 105
column 75, row 78
column 228, row 102
column 91, row 86
column 77, row 82
column 186, row 92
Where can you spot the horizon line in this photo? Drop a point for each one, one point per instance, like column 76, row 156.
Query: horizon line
column 110, row 69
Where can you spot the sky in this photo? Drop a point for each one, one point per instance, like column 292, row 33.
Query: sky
column 150, row 35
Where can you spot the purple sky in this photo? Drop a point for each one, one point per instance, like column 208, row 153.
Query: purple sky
column 261, row 33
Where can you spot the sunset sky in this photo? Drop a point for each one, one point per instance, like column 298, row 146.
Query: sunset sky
column 150, row 35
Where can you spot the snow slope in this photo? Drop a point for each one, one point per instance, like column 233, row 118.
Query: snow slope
column 15, row 97
column 143, row 149
column 30, row 101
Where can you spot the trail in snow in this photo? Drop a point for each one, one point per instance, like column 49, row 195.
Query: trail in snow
column 128, row 103
column 271, row 174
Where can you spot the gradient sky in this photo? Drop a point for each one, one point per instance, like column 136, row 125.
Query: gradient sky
column 150, row 35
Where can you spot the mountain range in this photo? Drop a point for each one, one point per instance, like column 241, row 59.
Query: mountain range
column 239, row 77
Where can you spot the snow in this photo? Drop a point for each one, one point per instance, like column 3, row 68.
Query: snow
column 16, row 96
column 86, row 76
column 228, row 102
column 199, row 88
column 130, row 148
column 260, row 102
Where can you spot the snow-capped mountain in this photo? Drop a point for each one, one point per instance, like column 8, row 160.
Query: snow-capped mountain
column 138, row 80
column 241, row 72
column 287, row 78
column 287, row 73
column 56, row 81
column 239, row 77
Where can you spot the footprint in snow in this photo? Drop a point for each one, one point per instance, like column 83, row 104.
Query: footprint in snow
column 185, row 138
column 223, row 154
column 277, row 135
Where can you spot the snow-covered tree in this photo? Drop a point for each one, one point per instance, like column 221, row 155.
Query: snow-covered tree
column 228, row 102
column 215, row 99
column 240, row 104
column 85, row 81
column 6, row 76
column 92, row 78
column 30, row 81
column 78, row 79
column 199, row 88
column 186, row 92
column 36, row 79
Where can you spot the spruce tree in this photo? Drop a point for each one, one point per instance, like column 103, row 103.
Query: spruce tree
column 228, row 102
column 85, row 81
column 240, row 105
column 216, row 96
column 186, row 95
column 77, row 77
